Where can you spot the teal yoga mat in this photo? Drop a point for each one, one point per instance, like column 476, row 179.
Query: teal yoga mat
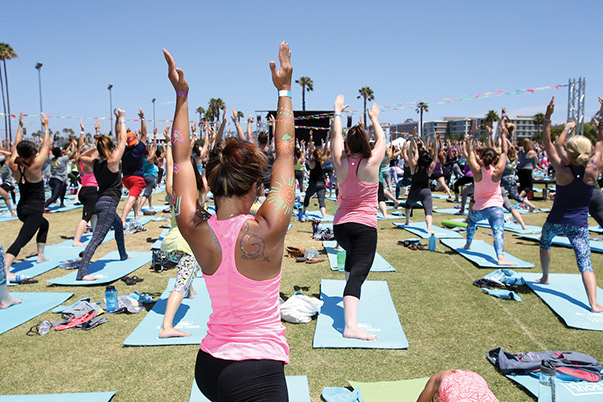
column 450, row 211
column 68, row 207
column 192, row 316
column 34, row 304
column 5, row 217
column 317, row 215
column 157, row 244
column 596, row 229
column 297, row 388
column 420, row 229
column 75, row 397
column 380, row 264
column 566, row 296
column 376, row 315
column 513, row 227
column 567, row 391
column 483, row 255
column 595, row 246
column 107, row 269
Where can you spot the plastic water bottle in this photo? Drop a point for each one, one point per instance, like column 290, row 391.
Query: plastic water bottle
column 44, row 328
column 315, row 224
column 547, row 383
column 341, row 255
column 432, row 242
column 300, row 214
column 111, row 299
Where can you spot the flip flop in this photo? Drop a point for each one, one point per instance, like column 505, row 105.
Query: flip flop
column 131, row 280
column 27, row 281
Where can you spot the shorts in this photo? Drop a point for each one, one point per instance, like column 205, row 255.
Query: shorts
column 134, row 184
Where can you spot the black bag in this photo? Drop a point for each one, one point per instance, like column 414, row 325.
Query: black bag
column 160, row 262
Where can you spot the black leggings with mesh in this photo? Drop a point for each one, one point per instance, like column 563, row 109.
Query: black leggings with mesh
column 105, row 210
column 33, row 221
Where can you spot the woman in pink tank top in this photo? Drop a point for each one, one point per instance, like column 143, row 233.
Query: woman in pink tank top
column 355, row 223
column 245, row 350
column 488, row 196
column 457, row 386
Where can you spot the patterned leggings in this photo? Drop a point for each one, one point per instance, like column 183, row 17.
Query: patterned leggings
column 578, row 237
column 509, row 184
column 2, row 269
column 187, row 269
column 496, row 218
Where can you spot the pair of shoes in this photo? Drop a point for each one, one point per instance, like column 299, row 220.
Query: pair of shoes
column 314, row 260
column 131, row 280
column 416, row 247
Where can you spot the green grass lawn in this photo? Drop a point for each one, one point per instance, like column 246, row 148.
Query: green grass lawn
column 449, row 323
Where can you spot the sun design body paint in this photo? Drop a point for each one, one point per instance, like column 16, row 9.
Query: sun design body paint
column 176, row 168
column 284, row 146
column 282, row 195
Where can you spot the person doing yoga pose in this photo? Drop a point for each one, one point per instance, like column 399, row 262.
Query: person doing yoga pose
column 243, row 354
column 575, row 183
column 355, row 223
column 457, row 386
column 487, row 194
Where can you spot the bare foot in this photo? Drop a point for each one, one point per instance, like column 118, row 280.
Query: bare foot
column 503, row 261
column 42, row 259
column 543, row 280
column 172, row 333
column 191, row 293
column 88, row 278
column 596, row 309
column 14, row 215
column 78, row 244
column 9, row 302
column 467, row 246
column 358, row 333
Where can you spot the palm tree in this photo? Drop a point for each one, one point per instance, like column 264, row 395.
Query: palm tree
column 240, row 114
column 538, row 121
column 491, row 117
column 307, row 85
column 367, row 94
column 201, row 112
column 421, row 107
column 7, row 53
column 213, row 110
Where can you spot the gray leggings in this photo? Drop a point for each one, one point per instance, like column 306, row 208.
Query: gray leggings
column 423, row 195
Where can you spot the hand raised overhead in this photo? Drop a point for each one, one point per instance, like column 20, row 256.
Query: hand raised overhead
column 550, row 109
column 373, row 113
column 176, row 75
column 282, row 78
column 474, row 128
column 339, row 104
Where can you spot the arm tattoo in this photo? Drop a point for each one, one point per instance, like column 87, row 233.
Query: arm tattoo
column 177, row 136
column 252, row 246
column 284, row 146
column 282, row 194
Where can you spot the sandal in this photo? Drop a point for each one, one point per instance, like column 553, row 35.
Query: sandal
column 18, row 278
column 314, row 260
column 294, row 251
column 131, row 280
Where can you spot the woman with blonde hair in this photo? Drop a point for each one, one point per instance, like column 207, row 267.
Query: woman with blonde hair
column 575, row 183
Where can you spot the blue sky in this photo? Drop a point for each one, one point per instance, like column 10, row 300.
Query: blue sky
column 403, row 51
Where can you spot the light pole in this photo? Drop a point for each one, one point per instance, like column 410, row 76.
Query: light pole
column 39, row 67
column 110, row 108
column 153, row 100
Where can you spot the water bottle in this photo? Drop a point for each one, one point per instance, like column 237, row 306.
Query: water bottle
column 111, row 299
column 547, row 382
column 315, row 224
column 341, row 255
column 432, row 242
column 44, row 328
column 300, row 214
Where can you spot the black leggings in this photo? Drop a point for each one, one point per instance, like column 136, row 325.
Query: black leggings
column 9, row 188
column 58, row 189
column 461, row 182
column 87, row 196
column 245, row 380
column 316, row 187
column 33, row 221
column 526, row 182
column 360, row 243
column 299, row 176
column 107, row 217
column 595, row 209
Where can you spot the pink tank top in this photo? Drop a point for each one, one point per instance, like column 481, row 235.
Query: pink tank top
column 358, row 200
column 246, row 321
column 88, row 179
column 464, row 386
column 487, row 193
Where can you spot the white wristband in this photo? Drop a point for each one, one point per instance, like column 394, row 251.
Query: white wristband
column 284, row 92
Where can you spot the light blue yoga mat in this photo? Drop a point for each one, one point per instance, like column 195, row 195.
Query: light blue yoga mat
column 297, row 388
column 396, row 214
column 107, row 269
column 440, row 196
column 68, row 207
column 483, row 255
column 317, row 215
column 192, row 316
column 513, row 227
column 596, row 229
column 596, row 246
column 5, row 217
column 376, row 315
column 566, row 296
column 34, row 304
column 450, row 211
column 380, row 264
column 75, row 397
column 157, row 244
column 420, row 229
column 566, row 391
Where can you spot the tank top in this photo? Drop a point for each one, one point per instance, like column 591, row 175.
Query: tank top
column 510, row 167
column 88, row 179
column 420, row 179
column 358, row 200
column 487, row 193
column 246, row 321
column 298, row 165
column 173, row 240
column 524, row 161
column 318, row 173
column 438, row 168
column 467, row 170
column 109, row 183
column 31, row 194
column 572, row 200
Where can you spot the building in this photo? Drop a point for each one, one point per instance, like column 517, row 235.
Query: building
column 432, row 127
column 525, row 127
column 400, row 129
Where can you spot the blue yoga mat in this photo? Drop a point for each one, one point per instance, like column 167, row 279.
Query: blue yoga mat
column 157, row 244
column 596, row 229
column 376, row 315
column 595, row 246
column 34, row 304
column 380, row 264
column 192, row 316
column 483, row 255
column 420, row 229
column 450, row 211
column 513, row 227
column 566, row 391
column 75, row 397
column 68, row 207
column 566, row 296
column 107, row 269
column 317, row 215
column 5, row 217
column 297, row 388
column 440, row 196
column 396, row 214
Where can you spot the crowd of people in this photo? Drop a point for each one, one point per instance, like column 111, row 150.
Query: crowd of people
column 239, row 249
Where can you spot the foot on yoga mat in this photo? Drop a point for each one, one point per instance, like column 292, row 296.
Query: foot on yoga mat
column 376, row 315
column 483, row 254
column 33, row 304
column 566, row 296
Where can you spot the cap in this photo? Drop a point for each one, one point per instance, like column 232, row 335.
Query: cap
column 131, row 139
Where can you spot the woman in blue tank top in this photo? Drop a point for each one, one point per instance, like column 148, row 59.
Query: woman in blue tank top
column 569, row 216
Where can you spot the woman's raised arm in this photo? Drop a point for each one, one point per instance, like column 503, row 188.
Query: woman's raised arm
column 337, row 146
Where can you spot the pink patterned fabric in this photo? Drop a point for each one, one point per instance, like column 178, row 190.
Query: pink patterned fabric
column 487, row 193
column 358, row 200
column 246, row 320
column 464, row 386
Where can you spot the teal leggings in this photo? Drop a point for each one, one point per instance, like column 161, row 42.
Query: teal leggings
column 496, row 218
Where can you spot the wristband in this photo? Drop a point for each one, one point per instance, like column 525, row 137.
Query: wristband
column 46, row 131
column 284, row 92
column 337, row 115
column 122, row 121
column 183, row 94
